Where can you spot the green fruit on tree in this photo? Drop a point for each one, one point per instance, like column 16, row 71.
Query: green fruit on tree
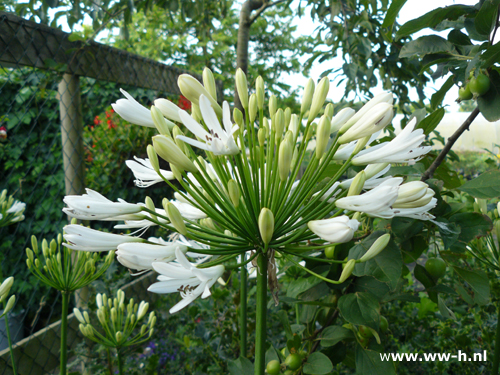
column 365, row 332
column 330, row 252
column 464, row 93
column 293, row 361
column 436, row 267
column 273, row 367
column 479, row 85
column 384, row 324
column 363, row 341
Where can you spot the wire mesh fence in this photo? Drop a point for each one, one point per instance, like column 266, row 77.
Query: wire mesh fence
column 63, row 136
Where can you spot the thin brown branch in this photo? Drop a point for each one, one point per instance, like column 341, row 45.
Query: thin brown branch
column 449, row 144
column 259, row 11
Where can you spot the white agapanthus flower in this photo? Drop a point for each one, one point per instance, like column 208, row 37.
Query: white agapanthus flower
column 94, row 206
column 82, row 238
column 335, row 230
column 216, row 140
column 402, row 149
column 182, row 276
column 140, row 256
column 370, row 183
column 188, row 211
column 130, row 110
column 145, row 174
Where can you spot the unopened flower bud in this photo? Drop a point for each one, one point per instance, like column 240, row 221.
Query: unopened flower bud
column 234, row 191
column 37, row 263
column 242, row 87
column 207, row 223
column 79, row 316
column 259, row 91
column 329, row 111
column 168, row 150
column 209, row 83
column 347, row 271
column 29, row 254
column 34, row 244
column 175, row 217
column 413, row 194
column 295, row 158
column 266, row 225
column 261, row 135
column 151, row 206
column 153, row 158
column 357, row 184
column 121, row 297
column 169, row 110
column 10, row 304
column 192, row 90
column 118, row 336
column 252, row 108
column 162, row 125
column 196, row 112
column 279, row 123
column 319, row 97
column 98, row 300
column 238, row 117
column 376, row 247
column 285, row 159
column 307, row 96
column 385, row 97
column 143, row 329
column 373, row 121
column 288, row 116
column 372, row 169
column 5, row 287
column 322, row 136
column 114, row 315
column 273, row 106
column 143, row 309
column 294, row 125
column 86, row 317
column 176, row 171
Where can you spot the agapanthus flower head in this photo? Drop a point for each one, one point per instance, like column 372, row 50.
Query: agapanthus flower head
column 11, row 210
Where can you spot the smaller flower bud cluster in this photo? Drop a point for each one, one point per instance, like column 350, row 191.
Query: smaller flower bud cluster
column 4, row 295
column 11, row 210
column 118, row 320
column 61, row 267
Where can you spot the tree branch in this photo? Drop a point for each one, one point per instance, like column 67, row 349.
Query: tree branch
column 264, row 6
column 451, row 141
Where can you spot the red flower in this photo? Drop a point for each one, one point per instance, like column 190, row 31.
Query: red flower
column 183, row 103
column 97, row 121
column 3, row 132
column 111, row 124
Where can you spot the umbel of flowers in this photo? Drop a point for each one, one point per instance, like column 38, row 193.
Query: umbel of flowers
column 246, row 199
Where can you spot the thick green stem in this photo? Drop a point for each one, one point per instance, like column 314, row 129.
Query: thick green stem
column 260, row 329
column 496, row 357
column 110, row 362
column 7, row 330
column 120, row 361
column 243, row 310
column 64, row 332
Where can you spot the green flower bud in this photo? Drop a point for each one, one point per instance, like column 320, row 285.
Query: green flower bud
column 279, row 123
column 45, row 248
column 261, row 135
column 357, row 184
column 273, row 106
column 196, row 112
column 29, row 263
column 376, row 247
column 289, row 137
column 285, row 159
column 234, row 190
column 294, row 125
column 10, row 304
column 307, row 96
column 86, row 317
column 176, row 171
column 347, row 271
column 114, row 315
column 295, row 158
column 143, row 329
column 120, row 294
column 259, row 90
column 372, row 169
column 79, row 316
column 119, row 337
column 37, row 263
column 29, row 254
column 192, row 90
column 34, row 244
column 319, row 97
column 209, row 83
column 175, row 217
column 176, row 131
column 252, row 108
column 151, row 206
column 288, row 115
column 162, row 124
column 168, row 150
column 238, row 117
column 242, row 87
column 329, row 111
column 322, row 136
column 266, row 225
column 360, row 145
column 5, row 287
column 143, row 309
column 98, row 300
column 207, row 223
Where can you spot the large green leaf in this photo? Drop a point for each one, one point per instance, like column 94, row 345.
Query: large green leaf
column 371, row 285
column 489, row 103
column 485, row 186
column 368, row 362
column 386, row 266
column 240, row 366
column 360, row 308
column 478, row 283
column 433, row 18
column 318, row 364
column 425, row 45
column 491, row 55
column 393, row 12
column 334, row 334
column 437, row 99
column 472, row 225
column 486, row 17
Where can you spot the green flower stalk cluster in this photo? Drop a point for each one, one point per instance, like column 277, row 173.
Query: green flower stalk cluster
column 118, row 320
column 11, row 210
column 256, row 189
column 8, row 304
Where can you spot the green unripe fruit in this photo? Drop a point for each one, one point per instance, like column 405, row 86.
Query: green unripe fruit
column 436, row 267
column 479, row 85
column 330, row 252
column 464, row 93
column 273, row 367
column 384, row 324
column 363, row 341
column 293, row 361
column 365, row 332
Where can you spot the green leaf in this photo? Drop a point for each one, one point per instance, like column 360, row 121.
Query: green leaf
column 449, row 232
column 486, row 186
column 486, row 17
column 459, row 38
column 448, row 176
column 360, row 308
column 386, row 266
column 426, row 279
column 368, row 362
column 437, row 99
column 240, row 366
column 433, row 18
column 489, row 103
column 283, row 317
column 271, row 354
column 406, row 228
column 318, row 364
column 472, row 225
column 334, row 334
column 371, row 285
column 491, row 56
column 425, row 45
column 303, row 284
column 393, row 12
column 478, row 283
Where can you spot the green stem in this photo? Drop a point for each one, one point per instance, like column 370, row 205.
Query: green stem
column 110, row 362
column 7, row 330
column 120, row 361
column 64, row 332
column 496, row 357
column 261, row 309
column 243, row 310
